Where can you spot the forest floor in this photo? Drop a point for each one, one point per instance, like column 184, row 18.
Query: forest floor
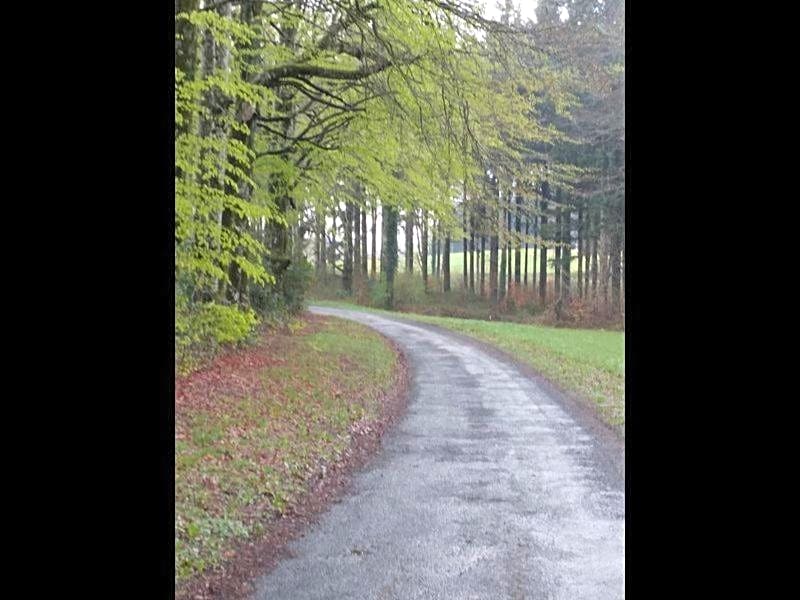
column 266, row 437
column 588, row 363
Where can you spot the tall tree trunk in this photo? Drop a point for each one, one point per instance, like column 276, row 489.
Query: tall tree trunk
column 587, row 251
column 483, row 266
column 356, row 243
column 332, row 245
column 347, row 272
column 389, row 254
column 543, row 255
column 374, row 210
column 616, row 253
column 509, row 210
column 518, row 243
column 580, row 252
column 566, row 255
column 604, row 258
column 535, row 246
column 433, row 248
column 557, row 262
column 595, row 252
column 364, row 271
column 424, row 249
column 494, row 242
column 501, row 226
column 446, row 265
column 438, row 253
column 464, row 243
column 527, row 231
column 280, row 246
column 235, row 292
column 319, row 248
column 472, row 255
column 409, row 241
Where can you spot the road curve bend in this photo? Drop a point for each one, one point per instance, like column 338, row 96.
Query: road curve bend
column 487, row 489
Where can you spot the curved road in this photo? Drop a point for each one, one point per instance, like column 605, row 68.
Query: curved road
column 488, row 488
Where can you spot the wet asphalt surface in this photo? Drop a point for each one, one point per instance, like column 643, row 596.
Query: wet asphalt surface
column 487, row 488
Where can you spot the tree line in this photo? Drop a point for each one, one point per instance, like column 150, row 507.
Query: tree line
column 299, row 121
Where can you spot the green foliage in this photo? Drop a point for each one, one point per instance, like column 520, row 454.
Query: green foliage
column 200, row 329
column 294, row 108
column 408, row 289
column 378, row 293
column 296, row 282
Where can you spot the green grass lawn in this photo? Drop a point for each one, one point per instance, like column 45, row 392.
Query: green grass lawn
column 252, row 431
column 587, row 362
column 457, row 262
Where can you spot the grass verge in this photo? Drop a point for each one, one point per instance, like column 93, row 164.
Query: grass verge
column 587, row 362
column 255, row 427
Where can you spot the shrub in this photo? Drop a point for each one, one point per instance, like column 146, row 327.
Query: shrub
column 296, row 283
column 378, row 294
column 276, row 302
column 201, row 328
column 409, row 289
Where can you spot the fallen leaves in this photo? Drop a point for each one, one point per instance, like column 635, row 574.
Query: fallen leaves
column 265, row 423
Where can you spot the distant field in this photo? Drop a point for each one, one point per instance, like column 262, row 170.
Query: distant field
column 457, row 263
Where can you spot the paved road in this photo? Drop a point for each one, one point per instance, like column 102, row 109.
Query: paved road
column 488, row 488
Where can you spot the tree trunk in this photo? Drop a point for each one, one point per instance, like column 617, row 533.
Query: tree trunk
column 566, row 255
column 364, row 271
column 424, row 250
column 595, row 250
column 604, row 258
column 389, row 254
column 464, row 241
column 527, row 231
column 509, row 209
column 587, row 251
column 493, row 271
column 319, row 248
column 433, row 249
column 518, row 243
column 347, row 272
column 332, row 245
column 439, row 254
column 374, row 211
column 557, row 262
column 446, row 265
column 535, row 247
column 580, row 252
column 483, row 266
column 501, row 226
column 616, row 251
column 543, row 256
column 472, row 256
column 356, row 243
column 409, row 241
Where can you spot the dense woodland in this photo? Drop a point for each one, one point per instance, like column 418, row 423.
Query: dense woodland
column 309, row 132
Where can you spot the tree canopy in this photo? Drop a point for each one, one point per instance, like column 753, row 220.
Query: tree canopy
column 288, row 110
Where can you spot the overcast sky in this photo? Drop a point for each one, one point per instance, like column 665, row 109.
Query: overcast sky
column 527, row 9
